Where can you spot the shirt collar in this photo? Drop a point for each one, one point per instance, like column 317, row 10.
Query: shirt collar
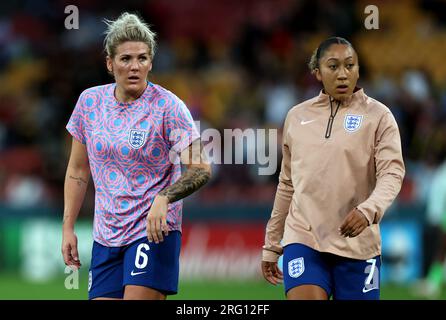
column 358, row 95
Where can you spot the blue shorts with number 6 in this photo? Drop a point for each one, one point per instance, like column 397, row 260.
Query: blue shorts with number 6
column 139, row 263
column 342, row 278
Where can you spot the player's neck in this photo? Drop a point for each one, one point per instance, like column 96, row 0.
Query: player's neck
column 123, row 96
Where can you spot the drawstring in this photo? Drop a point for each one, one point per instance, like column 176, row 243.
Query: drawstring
column 330, row 120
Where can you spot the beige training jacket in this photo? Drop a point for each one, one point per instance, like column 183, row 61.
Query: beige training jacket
column 322, row 179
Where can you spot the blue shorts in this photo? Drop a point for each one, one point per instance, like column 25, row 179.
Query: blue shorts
column 342, row 278
column 139, row 263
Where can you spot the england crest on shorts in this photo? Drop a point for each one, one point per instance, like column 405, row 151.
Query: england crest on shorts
column 296, row 267
column 352, row 122
column 137, row 138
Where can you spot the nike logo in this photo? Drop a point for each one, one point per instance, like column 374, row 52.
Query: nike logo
column 365, row 290
column 136, row 273
column 302, row 122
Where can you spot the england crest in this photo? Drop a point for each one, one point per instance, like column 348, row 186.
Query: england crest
column 137, row 138
column 296, row 267
column 352, row 122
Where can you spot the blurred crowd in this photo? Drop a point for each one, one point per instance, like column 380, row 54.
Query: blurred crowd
column 236, row 64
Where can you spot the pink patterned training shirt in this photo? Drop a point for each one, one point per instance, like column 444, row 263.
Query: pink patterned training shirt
column 130, row 148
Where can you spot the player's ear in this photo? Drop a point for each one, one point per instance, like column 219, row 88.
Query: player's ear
column 109, row 63
column 317, row 73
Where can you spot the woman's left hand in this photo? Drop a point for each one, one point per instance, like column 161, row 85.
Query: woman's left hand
column 354, row 223
column 157, row 219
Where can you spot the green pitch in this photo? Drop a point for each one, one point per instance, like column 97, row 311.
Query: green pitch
column 13, row 287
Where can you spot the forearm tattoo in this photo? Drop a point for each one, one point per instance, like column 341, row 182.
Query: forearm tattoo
column 79, row 180
column 192, row 180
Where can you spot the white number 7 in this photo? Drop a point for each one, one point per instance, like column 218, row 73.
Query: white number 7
column 372, row 280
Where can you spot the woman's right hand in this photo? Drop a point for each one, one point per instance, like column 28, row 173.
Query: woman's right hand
column 69, row 249
column 271, row 272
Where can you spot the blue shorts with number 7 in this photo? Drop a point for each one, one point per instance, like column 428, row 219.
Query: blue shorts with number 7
column 139, row 263
column 342, row 278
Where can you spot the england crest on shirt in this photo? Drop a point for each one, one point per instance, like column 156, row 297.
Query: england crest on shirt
column 137, row 138
column 352, row 122
column 296, row 267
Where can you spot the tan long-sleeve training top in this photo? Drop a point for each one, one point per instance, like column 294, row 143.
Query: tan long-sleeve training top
column 360, row 165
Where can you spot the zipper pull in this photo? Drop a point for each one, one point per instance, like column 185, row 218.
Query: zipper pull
column 329, row 125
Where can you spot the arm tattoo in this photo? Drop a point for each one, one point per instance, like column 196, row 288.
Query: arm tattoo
column 79, row 180
column 189, row 182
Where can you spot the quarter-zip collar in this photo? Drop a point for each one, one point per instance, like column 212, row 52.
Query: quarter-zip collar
column 323, row 99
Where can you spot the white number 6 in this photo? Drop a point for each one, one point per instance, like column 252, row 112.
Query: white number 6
column 143, row 255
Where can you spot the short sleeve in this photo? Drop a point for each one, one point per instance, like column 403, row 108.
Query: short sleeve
column 180, row 129
column 76, row 123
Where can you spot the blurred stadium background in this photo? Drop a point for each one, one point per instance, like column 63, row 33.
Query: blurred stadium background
column 236, row 64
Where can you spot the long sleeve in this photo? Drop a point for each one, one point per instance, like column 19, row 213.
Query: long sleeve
column 389, row 170
column 275, row 227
